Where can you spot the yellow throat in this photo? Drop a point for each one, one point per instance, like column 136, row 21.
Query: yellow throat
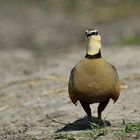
column 93, row 45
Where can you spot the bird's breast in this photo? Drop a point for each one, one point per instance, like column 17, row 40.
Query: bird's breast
column 93, row 78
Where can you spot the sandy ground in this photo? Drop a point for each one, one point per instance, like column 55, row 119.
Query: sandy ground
column 34, row 102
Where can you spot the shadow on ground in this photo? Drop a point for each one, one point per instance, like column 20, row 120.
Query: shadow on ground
column 81, row 124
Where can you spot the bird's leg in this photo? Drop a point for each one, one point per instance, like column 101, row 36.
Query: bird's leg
column 101, row 107
column 87, row 109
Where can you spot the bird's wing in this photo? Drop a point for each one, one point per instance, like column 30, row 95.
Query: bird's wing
column 117, row 84
column 71, row 86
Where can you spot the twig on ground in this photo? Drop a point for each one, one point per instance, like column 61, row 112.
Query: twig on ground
column 70, row 125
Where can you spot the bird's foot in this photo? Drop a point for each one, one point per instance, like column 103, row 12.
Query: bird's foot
column 101, row 122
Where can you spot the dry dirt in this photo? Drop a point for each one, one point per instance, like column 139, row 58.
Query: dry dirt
column 34, row 102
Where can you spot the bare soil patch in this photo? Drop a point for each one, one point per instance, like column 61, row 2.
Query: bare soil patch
column 34, row 102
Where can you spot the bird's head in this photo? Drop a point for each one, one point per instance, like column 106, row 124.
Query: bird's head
column 93, row 42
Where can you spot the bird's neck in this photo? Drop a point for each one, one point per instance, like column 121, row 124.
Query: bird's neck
column 93, row 49
column 98, row 55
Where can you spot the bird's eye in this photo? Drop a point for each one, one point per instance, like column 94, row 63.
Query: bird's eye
column 90, row 33
column 93, row 33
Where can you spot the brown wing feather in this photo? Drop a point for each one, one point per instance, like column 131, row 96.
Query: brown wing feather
column 117, row 86
column 73, row 98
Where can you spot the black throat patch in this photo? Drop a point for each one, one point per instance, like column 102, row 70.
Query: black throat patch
column 98, row 55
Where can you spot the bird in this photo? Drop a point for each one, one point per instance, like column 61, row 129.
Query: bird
column 93, row 79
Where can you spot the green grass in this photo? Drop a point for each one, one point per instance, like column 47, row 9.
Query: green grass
column 128, row 130
column 97, row 130
column 131, row 127
column 125, row 131
column 130, row 40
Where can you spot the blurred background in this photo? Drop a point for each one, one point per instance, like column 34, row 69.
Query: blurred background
column 42, row 25
column 48, row 28
column 40, row 42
